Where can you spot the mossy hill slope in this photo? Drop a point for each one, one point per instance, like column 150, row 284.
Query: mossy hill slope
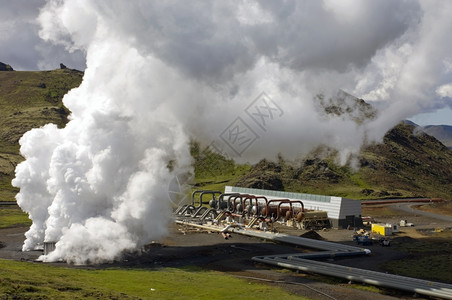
column 29, row 100
column 408, row 163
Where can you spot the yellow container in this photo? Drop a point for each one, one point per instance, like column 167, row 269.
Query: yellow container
column 381, row 229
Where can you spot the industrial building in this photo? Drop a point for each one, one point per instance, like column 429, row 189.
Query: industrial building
column 342, row 212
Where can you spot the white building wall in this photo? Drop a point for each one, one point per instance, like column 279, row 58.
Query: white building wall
column 349, row 207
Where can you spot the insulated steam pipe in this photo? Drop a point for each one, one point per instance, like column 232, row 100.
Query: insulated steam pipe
column 200, row 197
column 234, row 198
column 280, row 211
column 252, row 197
column 299, row 216
column 193, row 196
column 221, row 200
column 267, row 207
column 213, row 193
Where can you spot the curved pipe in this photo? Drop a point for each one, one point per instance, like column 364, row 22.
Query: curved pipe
column 301, row 203
column 302, row 208
column 233, row 198
column 251, row 198
column 200, row 197
column 193, row 196
column 267, row 210
column 279, row 212
column 299, row 215
column 234, row 201
column 231, row 201
column 291, row 209
column 221, row 199
column 213, row 193
column 280, row 202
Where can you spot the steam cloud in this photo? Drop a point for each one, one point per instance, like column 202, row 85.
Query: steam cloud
column 161, row 72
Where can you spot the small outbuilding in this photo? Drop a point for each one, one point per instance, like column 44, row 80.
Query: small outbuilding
column 385, row 229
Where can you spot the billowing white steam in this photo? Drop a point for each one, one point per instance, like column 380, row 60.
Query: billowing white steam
column 160, row 72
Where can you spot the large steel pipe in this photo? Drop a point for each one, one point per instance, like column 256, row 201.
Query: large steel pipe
column 202, row 193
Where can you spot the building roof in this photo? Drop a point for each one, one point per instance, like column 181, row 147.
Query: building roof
column 281, row 194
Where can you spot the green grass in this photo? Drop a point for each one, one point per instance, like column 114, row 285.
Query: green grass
column 13, row 217
column 213, row 171
column 334, row 281
column 427, row 258
column 426, row 245
column 7, row 192
column 24, row 280
column 356, row 178
column 436, row 267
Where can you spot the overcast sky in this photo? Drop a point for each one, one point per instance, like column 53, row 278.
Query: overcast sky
column 382, row 34
column 21, row 46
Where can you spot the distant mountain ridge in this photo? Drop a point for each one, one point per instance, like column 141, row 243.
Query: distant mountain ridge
column 442, row 133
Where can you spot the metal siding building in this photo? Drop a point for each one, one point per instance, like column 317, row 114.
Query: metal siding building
column 342, row 212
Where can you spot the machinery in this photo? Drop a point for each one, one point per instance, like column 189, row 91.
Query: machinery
column 250, row 210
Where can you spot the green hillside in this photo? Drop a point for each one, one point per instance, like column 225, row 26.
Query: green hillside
column 29, row 100
column 404, row 165
column 409, row 163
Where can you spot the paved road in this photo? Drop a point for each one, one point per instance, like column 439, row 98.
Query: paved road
column 409, row 209
column 7, row 203
column 405, row 205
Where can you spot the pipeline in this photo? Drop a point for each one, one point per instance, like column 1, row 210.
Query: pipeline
column 395, row 201
column 192, row 210
column 304, row 261
column 419, row 286
column 285, row 282
column 251, row 209
column 221, row 203
column 202, row 193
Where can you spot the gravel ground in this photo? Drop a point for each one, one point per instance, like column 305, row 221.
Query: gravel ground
column 189, row 246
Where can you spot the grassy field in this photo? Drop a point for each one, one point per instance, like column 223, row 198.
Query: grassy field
column 432, row 267
column 213, row 171
column 428, row 258
column 24, row 280
column 13, row 217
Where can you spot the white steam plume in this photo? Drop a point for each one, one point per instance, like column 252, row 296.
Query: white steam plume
column 161, row 72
